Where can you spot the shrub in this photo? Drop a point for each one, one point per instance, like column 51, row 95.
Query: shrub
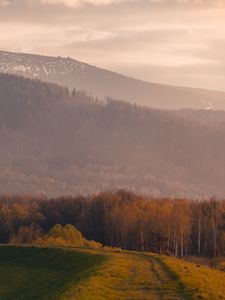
column 67, row 235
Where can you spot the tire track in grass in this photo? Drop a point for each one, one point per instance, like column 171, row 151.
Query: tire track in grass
column 133, row 276
column 170, row 286
column 148, row 278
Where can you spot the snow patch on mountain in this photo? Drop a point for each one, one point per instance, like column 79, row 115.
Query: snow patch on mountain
column 39, row 66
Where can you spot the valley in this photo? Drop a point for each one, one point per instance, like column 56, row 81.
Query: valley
column 112, row 150
column 59, row 142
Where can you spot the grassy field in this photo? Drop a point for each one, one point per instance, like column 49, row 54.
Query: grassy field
column 203, row 282
column 43, row 273
column 133, row 276
column 62, row 274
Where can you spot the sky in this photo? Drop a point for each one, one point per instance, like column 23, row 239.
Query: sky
column 180, row 42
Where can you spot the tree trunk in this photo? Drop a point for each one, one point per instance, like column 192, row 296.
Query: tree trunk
column 182, row 245
column 199, row 231
column 168, row 240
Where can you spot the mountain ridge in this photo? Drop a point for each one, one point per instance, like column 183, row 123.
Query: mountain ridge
column 104, row 83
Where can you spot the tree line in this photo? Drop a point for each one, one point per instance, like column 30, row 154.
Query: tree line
column 178, row 227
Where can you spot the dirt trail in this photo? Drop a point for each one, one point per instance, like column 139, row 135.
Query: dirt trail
column 149, row 279
column 133, row 276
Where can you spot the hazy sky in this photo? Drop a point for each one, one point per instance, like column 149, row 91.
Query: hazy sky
column 171, row 41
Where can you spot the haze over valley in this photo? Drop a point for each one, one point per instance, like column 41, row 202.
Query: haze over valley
column 58, row 141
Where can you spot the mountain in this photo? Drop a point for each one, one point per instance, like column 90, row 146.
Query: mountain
column 57, row 142
column 102, row 83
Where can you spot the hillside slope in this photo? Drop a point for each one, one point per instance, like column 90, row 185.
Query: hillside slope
column 68, row 274
column 43, row 273
column 60, row 143
column 101, row 83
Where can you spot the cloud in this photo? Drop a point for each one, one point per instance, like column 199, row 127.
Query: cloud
column 154, row 3
column 4, row 2
column 69, row 3
column 76, row 3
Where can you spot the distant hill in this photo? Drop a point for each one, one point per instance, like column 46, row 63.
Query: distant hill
column 101, row 83
column 57, row 142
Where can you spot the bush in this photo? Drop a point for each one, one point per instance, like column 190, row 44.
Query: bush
column 67, row 235
column 221, row 266
column 92, row 244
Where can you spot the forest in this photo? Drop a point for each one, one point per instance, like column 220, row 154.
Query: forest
column 56, row 141
column 178, row 227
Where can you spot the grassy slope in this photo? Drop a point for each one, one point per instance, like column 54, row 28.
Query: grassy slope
column 146, row 276
column 132, row 276
column 205, row 283
column 42, row 273
column 51, row 273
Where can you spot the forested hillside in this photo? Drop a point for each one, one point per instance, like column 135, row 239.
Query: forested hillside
column 20, row 99
column 57, row 142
